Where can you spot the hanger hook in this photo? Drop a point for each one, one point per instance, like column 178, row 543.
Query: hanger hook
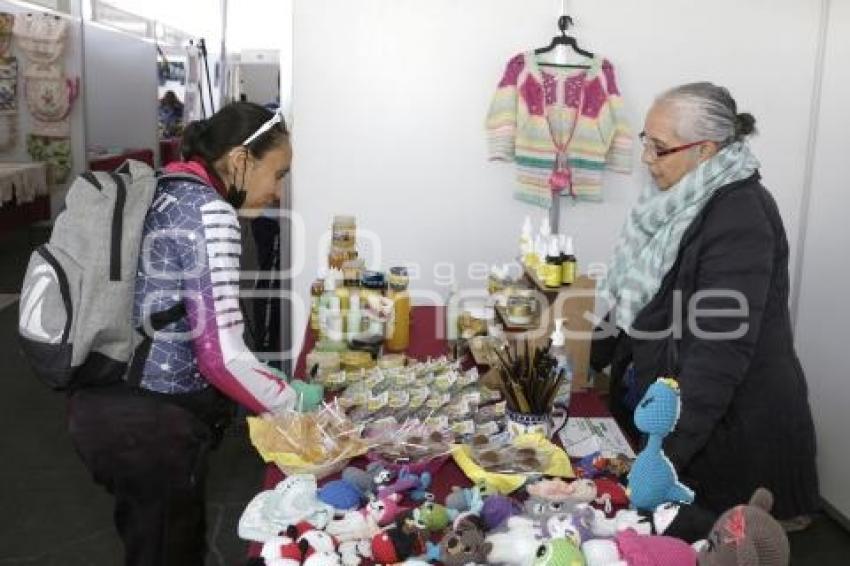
column 564, row 23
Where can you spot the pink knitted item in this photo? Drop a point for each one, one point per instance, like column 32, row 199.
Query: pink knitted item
column 638, row 550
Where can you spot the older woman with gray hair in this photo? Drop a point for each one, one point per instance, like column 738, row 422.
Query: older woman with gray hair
column 698, row 290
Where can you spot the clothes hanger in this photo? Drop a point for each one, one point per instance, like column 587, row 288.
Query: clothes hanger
column 564, row 23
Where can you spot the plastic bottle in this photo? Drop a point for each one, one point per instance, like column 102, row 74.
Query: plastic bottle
column 335, row 332
column 354, row 323
column 545, row 228
column 328, row 295
column 525, row 241
column 399, row 328
column 570, row 265
column 316, row 291
column 554, row 272
column 558, row 350
column 540, row 249
column 452, row 316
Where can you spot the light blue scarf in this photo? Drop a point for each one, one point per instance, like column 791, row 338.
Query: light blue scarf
column 649, row 242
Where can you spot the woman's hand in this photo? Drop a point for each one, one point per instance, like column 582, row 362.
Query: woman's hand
column 308, row 395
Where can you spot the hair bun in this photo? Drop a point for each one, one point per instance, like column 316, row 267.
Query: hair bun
column 193, row 143
column 745, row 124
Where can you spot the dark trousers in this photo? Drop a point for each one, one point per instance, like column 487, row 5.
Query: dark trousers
column 151, row 455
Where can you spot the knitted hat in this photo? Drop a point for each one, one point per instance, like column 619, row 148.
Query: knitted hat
column 747, row 535
column 637, row 550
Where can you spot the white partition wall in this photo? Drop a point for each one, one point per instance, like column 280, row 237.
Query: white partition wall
column 121, row 99
column 824, row 310
column 390, row 98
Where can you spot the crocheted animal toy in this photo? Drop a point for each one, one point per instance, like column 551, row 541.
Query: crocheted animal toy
column 433, row 517
column 557, row 490
column 689, row 523
column 463, row 545
column 302, row 545
column 653, row 479
column 611, row 496
column 355, row 487
column 497, row 509
column 468, row 500
column 293, row 500
column 397, row 544
column 576, row 526
column 628, row 548
column 369, row 480
column 558, row 552
column 412, row 485
column 608, row 527
column 365, row 523
column 595, row 464
column 747, row 535
column 516, row 543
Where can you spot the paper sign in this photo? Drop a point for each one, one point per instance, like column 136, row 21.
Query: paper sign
column 584, row 436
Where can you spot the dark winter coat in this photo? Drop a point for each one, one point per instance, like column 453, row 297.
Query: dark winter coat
column 745, row 419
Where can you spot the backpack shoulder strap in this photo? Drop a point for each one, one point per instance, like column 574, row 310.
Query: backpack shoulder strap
column 186, row 177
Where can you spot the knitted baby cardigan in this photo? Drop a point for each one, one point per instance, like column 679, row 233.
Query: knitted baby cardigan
column 533, row 110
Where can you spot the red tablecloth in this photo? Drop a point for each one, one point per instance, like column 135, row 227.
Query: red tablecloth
column 113, row 162
column 424, row 343
column 13, row 216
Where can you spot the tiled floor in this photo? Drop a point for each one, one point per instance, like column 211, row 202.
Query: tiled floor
column 52, row 514
column 7, row 300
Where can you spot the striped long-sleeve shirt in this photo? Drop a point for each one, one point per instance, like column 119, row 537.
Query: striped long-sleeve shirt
column 191, row 254
column 534, row 108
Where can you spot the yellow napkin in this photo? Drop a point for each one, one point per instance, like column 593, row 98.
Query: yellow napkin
column 559, row 464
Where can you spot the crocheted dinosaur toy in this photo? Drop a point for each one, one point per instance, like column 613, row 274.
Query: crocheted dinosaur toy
column 653, row 479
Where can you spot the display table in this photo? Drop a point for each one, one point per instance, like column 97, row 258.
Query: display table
column 425, row 343
column 24, row 195
column 112, row 161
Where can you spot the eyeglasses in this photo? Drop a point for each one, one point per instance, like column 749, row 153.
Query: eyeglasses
column 656, row 153
column 268, row 125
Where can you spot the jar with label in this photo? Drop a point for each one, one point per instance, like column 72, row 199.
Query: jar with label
column 522, row 307
column 344, row 232
column 352, row 270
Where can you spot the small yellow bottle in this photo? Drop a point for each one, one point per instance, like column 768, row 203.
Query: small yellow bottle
column 569, row 267
column 554, row 270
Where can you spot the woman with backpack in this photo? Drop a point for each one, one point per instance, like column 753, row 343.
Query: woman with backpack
column 147, row 440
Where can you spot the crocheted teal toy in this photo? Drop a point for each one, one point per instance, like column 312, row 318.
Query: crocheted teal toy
column 653, row 479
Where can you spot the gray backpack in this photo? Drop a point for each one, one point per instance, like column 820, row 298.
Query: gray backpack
column 76, row 303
